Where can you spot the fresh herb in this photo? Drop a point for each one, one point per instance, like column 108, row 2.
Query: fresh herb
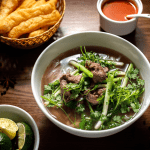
column 86, row 122
column 106, row 100
column 80, row 108
column 97, row 58
column 82, row 68
column 74, row 88
column 122, row 94
column 51, row 87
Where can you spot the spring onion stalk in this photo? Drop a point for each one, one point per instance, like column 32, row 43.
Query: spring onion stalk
column 57, row 91
column 77, row 74
column 105, row 81
column 115, row 80
column 106, row 101
column 74, row 72
column 82, row 68
column 125, row 81
column 116, row 63
column 118, row 73
column 102, row 85
column 46, row 103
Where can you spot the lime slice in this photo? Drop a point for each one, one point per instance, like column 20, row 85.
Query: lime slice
column 5, row 142
column 25, row 136
column 8, row 127
column 21, row 135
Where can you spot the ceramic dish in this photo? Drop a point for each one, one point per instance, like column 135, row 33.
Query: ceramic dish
column 120, row 28
column 19, row 115
column 90, row 39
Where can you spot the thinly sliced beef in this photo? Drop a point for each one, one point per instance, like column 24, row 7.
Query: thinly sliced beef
column 106, row 69
column 100, row 91
column 65, row 79
column 93, row 95
column 92, row 98
column 98, row 71
column 71, row 78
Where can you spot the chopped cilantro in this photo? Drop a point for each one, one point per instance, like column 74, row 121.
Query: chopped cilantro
column 86, row 122
column 80, row 108
column 122, row 99
column 94, row 57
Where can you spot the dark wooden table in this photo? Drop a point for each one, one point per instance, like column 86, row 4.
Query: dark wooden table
column 17, row 65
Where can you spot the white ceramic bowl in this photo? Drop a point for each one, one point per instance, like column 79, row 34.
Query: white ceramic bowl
column 118, row 27
column 19, row 115
column 88, row 39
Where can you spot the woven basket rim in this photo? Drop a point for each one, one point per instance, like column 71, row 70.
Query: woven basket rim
column 20, row 39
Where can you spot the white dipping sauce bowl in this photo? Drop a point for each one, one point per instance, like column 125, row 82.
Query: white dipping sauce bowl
column 90, row 39
column 120, row 28
column 19, row 115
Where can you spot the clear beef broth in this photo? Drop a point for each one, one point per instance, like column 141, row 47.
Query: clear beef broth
column 56, row 69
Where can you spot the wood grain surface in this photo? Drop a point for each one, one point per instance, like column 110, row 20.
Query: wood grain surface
column 17, row 65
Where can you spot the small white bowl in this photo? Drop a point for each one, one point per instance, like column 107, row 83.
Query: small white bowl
column 118, row 27
column 19, row 115
column 90, row 39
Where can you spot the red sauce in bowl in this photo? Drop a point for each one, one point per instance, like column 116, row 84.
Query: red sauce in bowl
column 118, row 9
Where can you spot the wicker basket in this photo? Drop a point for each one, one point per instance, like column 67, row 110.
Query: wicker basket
column 29, row 43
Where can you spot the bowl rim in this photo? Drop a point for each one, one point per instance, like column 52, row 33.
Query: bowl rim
column 37, row 136
column 119, row 22
column 42, row 107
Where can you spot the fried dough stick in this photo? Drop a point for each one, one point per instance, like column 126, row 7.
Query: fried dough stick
column 18, row 16
column 26, row 4
column 52, row 1
column 34, row 24
column 7, row 7
column 39, row 2
column 43, row 29
column 38, row 32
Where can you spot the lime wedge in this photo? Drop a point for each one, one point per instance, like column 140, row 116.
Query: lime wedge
column 25, row 136
column 5, row 142
column 8, row 127
column 21, row 135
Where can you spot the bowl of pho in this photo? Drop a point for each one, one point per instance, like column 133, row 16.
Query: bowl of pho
column 91, row 84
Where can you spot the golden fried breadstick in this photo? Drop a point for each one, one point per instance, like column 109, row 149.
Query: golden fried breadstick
column 18, row 16
column 34, row 24
column 39, row 2
column 52, row 1
column 26, row 4
column 38, row 32
column 7, row 6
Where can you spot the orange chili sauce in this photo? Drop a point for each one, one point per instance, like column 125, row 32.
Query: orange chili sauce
column 118, row 9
